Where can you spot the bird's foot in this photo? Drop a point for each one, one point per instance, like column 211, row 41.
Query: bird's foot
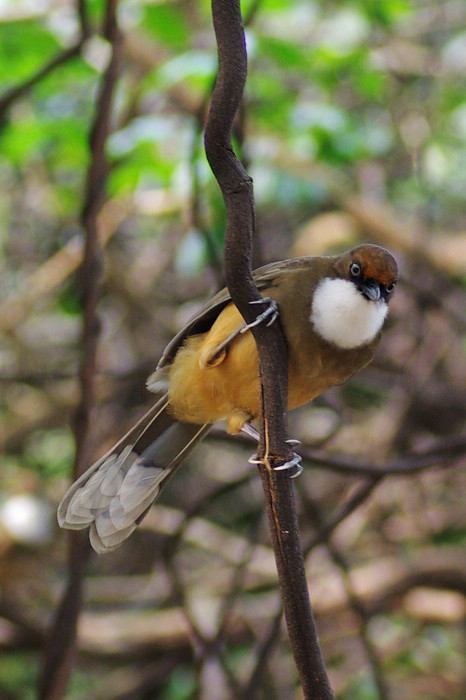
column 292, row 464
column 270, row 313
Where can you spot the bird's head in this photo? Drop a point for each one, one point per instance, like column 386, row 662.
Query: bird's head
column 349, row 307
column 372, row 269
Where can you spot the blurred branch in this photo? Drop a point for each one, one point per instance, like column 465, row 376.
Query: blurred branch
column 263, row 653
column 13, row 94
column 60, row 649
column 443, row 453
column 54, row 271
column 326, row 528
column 355, row 603
column 231, row 597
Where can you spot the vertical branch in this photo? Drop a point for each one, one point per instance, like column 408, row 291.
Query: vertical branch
column 91, row 270
column 60, row 648
column 237, row 191
column 234, row 181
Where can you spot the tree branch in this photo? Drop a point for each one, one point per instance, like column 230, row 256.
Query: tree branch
column 61, row 643
column 237, row 191
column 441, row 454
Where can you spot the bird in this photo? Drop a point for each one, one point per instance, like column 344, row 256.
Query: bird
column 331, row 310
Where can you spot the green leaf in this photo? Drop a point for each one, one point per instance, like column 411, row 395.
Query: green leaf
column 385, row 12
column 168, row 23
column 284, row 54
column 25, row 46
column 50, row 451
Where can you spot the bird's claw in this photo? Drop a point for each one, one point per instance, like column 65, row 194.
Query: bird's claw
column 270, row 310
column 293, row 463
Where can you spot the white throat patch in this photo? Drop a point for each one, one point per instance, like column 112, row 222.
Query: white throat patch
column 343, row 316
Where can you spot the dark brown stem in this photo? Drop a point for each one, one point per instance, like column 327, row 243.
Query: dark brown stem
column 61, row 643
column 237, row 191
column 286, row 542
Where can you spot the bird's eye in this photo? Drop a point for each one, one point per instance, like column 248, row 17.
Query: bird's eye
column 390, row 287
column 355, row 269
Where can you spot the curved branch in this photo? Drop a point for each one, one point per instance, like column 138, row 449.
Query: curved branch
column 234, row 181
column 237, row 191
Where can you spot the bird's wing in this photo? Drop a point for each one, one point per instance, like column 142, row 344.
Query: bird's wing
column 264, row 278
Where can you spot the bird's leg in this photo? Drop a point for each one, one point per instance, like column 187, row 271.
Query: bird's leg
column 270, row 312
column 213, row 354
column 250, row 430
column 293, row 463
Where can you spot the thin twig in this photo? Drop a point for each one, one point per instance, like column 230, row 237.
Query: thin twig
column 14, row 93
column 355, row 603
column 326, row 528
column 263, row 652
column 61, row 644
column 442, row 455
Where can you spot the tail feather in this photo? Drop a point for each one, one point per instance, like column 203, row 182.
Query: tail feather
column 115, row 493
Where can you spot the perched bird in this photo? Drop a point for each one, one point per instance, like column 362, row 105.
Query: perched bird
column 331, row 309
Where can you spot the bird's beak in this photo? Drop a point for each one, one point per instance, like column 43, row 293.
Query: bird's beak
column 371, row 291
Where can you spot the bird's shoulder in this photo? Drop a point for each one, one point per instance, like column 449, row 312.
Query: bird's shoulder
column 270, row 276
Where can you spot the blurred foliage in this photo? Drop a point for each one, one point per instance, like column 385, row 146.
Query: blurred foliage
column 353, row 128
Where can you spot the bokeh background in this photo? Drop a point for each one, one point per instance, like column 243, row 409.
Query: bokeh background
column 353, row 127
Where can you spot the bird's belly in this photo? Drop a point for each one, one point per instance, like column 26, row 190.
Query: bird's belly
column 230, row 389
column 206, row 395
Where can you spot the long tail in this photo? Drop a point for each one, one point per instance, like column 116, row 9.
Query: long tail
column 113, row 495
